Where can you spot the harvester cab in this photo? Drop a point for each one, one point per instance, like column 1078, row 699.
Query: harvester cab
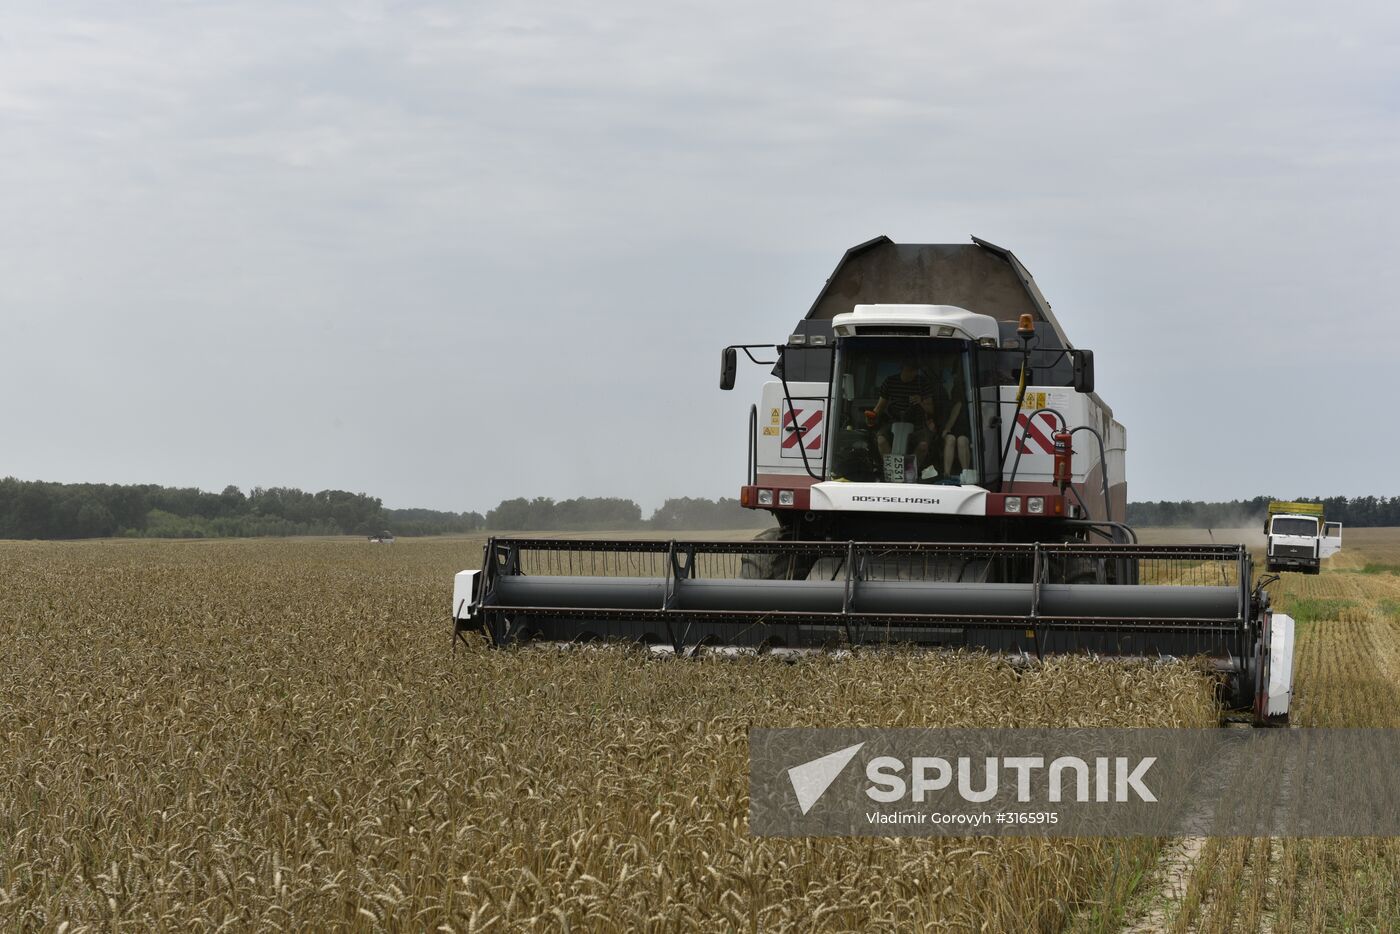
column 942, row 474
column 925, row 423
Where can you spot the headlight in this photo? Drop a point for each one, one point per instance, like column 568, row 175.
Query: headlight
column 1013, row 504
column 785, row 497
column 765, row 497
column 1036, row 505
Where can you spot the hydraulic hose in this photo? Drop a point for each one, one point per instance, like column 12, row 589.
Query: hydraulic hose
column 1020, row 397
column 797, row 429
column 1103, row 469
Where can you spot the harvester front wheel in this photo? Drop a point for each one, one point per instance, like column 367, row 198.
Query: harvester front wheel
column 1084, row 570
column 771, row 567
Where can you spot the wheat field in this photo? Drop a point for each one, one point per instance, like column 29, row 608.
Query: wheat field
column 277, row 735
column 270, row 735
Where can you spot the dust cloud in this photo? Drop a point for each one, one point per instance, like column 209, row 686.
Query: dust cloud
column 1250, row 537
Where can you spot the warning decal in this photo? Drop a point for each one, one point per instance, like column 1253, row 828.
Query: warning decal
column 1037, row 433
column 804, row 426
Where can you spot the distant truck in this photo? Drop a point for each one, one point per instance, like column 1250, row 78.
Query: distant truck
column 1299, row 537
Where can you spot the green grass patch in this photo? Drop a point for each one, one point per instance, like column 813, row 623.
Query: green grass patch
column 1379, row 569
column 1310, row 610
column 1389, row 606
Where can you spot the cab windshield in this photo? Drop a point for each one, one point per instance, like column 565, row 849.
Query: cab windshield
column 1294, row 525
column 903, row 410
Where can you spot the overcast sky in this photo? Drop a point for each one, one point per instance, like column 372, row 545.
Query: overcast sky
column 446, row 253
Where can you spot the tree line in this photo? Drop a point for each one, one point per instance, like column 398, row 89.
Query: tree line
column 38, row 509
column 1356, row 511
column 586, row 513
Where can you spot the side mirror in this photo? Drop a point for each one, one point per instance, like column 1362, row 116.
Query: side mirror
column 1083, row 370
column 728, row 365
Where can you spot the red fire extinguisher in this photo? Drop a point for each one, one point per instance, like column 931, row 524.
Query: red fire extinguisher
column 1064, row 457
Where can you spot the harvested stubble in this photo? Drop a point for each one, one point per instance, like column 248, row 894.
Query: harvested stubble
column 1346, row 674
column 275, row 735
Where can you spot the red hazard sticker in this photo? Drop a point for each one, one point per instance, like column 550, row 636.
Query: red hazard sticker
column 803, row 424
column 1036, row 433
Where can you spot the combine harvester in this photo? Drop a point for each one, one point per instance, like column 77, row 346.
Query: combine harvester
column 942, row 475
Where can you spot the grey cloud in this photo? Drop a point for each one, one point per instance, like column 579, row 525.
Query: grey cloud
column 448, row 253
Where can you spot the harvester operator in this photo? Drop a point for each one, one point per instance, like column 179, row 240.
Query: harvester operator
column 955, row 428
column 906, row 396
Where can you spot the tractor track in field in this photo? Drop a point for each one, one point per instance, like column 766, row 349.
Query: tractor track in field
column 1183, row 883
column 1174, row 870
column 1172, row 876
column 1175, row 876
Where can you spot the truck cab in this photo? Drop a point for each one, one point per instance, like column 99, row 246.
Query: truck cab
column 1299, row 538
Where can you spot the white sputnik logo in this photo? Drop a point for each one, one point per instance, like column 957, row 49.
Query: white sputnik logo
column 810, row 780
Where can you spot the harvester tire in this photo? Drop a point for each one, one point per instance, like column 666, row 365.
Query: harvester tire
column 770, row 567
column 1082, row 570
